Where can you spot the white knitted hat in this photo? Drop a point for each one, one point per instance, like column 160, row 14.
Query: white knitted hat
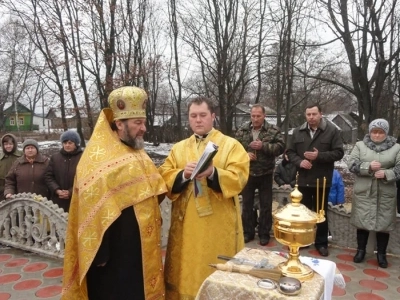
column 381, row 124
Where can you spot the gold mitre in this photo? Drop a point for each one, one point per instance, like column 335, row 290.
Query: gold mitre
column 128, row 102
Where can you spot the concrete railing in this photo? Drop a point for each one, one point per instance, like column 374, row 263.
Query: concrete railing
column 36, row 224
column 33, row 223
column 23, row 220
column 345, row 235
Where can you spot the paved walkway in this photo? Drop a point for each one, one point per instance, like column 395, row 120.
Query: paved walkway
column 27, row 276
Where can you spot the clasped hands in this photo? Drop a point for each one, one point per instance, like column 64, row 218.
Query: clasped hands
column 190, row 166
column 255, row 145
column 63, row 194
column 375, row 166
column 309, row 157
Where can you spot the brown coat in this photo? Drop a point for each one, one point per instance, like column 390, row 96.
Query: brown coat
column 6, row 161
column 25, row 177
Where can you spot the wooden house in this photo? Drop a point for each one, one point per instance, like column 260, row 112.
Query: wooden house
column 18, row 117
column 55, row 118
column 347, row 125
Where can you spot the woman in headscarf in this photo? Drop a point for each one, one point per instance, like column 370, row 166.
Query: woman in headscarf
column 26, row 175
column 61, row 171
column 376, row 163
column 7, row 157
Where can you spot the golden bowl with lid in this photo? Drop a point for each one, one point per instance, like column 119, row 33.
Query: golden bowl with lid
column 295, row 226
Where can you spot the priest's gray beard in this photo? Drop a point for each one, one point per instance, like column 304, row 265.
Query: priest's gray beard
column 136, row 143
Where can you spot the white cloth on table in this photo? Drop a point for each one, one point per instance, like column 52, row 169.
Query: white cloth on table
column 326, row 269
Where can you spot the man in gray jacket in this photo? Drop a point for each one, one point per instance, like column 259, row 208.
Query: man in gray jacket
column 313, row 148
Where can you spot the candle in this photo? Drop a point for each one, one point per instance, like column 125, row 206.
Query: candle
column 323, row 194
column 317, row 194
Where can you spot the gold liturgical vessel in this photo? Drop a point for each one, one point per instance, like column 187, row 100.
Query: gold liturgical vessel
column 295, row 227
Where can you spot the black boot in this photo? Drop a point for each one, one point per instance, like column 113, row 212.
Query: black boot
column 359, row 257
column 382, row 262
column 382, row 240
column 362, row 239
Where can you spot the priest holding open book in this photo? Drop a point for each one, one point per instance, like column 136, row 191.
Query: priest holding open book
column 204, row 175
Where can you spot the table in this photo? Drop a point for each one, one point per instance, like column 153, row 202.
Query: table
column 225, row 285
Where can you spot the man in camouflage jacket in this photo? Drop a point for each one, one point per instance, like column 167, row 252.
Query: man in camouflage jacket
column 263, row 143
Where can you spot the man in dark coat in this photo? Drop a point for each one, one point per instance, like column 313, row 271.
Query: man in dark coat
column 60, row 173
column 313, row 148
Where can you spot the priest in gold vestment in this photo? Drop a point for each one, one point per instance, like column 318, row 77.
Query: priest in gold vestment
column 206, row 223
column 114, row 225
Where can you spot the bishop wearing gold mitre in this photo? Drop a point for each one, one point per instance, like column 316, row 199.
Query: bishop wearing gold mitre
column 114, row 224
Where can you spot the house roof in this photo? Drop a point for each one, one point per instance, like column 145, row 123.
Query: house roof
column 349, row 119
column 70, row 112
column 274, row 119
column 330, row 120
column 345, row 116
column 19, row 107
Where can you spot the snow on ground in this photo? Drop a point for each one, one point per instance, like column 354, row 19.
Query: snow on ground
column 157, row 153
column 49, row 144
column 163, row 149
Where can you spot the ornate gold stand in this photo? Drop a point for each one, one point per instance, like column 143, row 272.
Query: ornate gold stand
column 294, row 268
column 295, row 227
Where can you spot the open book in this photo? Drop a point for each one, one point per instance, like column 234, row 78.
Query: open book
column 205, row 159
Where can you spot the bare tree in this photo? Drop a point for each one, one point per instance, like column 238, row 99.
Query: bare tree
column 16, row 55
column 223, row 40
column 261, row 49
column 174, row 74
column 42, row 29
column 395, row 87
column 74, row 45
column 393, row 83
column 89, row 47
column 103, row 37
column 153, row 72
column 364, row 29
